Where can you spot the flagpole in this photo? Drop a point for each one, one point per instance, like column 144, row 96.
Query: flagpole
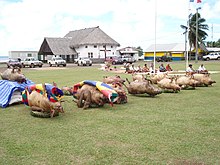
column 155, row 36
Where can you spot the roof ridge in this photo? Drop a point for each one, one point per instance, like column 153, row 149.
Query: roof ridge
column 93, row 29
column 84, row 29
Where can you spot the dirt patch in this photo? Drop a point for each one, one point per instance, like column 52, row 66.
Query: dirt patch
column 117, row 71
column 48, row 68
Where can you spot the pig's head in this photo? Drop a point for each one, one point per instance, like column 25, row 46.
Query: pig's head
column 21, row 78
column 57, row 107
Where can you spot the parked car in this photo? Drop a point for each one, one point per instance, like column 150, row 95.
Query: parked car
column 164, row 59
column 56, row 61
column 212, row 56
column 84, row 61
column 114, row 60
column 14, row 63
column 128, row 59
column 31, row 62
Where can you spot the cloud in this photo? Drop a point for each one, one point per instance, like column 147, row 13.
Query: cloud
column 24, row 23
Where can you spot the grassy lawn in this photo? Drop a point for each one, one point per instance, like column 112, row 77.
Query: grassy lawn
column 172, row 128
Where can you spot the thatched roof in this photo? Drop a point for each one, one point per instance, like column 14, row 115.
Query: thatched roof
column 56, row 46
column 89, row 36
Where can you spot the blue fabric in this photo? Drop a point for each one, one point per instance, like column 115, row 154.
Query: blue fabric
column 51, row 89
column 7, row 88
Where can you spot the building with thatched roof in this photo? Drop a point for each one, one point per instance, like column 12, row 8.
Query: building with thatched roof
column 88, row 42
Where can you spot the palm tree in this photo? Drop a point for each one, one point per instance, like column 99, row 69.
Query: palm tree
column 192, row 30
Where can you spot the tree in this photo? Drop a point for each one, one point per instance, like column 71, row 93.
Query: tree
column 140, row 51
column 192, row 30
column 213, row 44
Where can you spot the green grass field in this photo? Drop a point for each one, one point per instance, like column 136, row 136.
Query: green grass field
column 172, row 128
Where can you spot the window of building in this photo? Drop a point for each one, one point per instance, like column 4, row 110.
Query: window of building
column 111, row 46
column 29, row 55
column 95, row 46
column 90, row 54
column 86, row 46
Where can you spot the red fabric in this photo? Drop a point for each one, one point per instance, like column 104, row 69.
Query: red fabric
column 199, row 1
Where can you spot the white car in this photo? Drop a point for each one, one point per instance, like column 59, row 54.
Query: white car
column 128, row 59
column 84, row 61
column 57, row 61
column 31, row 62
column 212, row 56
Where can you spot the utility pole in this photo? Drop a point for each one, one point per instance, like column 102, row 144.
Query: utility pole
column 197, row 33
column 212, row 36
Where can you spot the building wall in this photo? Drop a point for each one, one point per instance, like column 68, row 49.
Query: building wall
column 129, row 51
column 23, row 54
column 176, row 56
column 95, row 52
column 150, row 55
column 134, row 55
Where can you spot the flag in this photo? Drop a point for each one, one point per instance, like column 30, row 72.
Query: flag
column 198, row 1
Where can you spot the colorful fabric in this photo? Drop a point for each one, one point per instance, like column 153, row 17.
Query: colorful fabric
column 53, row 93
column 198, row 1
column 7, row 89
column 105, row 89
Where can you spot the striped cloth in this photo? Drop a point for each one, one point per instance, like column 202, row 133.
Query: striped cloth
column 7, row 88
column 53, row 93
column 105, row 89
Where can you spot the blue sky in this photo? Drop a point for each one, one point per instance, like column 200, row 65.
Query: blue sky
column 25, row 23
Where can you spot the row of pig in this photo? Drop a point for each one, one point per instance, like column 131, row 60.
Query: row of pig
column 142, row 84
column 88, row 96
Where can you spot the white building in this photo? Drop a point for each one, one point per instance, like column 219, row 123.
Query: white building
column 88, row 42
column 131, row 51
column 23, row 54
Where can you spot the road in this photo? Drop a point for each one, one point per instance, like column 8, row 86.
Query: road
column 69, row 65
